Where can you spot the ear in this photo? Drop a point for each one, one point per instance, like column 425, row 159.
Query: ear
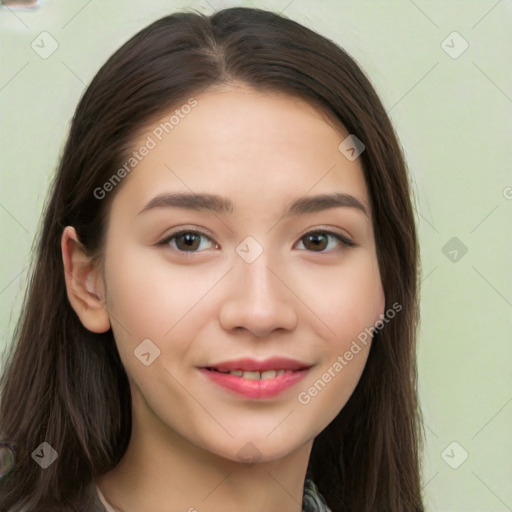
column 84, row 284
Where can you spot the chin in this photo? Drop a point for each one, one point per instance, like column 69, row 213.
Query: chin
column 257, row 449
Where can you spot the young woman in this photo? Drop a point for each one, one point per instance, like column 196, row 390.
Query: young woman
column 222, row 311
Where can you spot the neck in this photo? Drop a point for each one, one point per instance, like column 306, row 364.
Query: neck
column 164, row 472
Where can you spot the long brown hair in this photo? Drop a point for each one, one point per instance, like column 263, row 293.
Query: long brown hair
column 67, row 386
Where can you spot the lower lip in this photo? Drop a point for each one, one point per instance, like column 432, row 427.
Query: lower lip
column 261, row 388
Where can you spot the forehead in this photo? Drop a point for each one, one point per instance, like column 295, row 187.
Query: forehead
column 258, row 148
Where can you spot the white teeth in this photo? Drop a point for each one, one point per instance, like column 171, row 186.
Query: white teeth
column 251, row 375
column 268, row 374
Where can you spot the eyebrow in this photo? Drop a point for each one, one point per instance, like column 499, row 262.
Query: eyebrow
column 222, row 205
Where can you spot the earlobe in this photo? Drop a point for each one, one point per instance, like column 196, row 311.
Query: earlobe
column 84, row 284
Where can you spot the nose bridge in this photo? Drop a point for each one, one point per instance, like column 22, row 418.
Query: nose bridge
column 257, row 299
column 254, row 272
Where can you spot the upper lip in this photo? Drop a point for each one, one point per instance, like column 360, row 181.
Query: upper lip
column 253, row 365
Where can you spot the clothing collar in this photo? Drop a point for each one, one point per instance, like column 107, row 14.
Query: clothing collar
column 312, row 500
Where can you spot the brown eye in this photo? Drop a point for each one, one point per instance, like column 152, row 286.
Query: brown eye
column 186, row 241
column 318, row 241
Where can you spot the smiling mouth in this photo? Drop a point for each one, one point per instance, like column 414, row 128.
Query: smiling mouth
column 255, row 384
column 254, row 375
column 256, row 378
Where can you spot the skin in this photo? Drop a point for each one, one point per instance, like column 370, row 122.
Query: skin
column 261, row 150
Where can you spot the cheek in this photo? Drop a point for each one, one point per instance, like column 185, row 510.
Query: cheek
column 150, row 294
column 347, row 299
column 349, row 302
column 149, row 298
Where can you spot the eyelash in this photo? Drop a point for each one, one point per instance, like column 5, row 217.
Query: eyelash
column 341, row 238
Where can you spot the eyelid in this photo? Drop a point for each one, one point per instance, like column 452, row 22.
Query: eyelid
column 199, row 232
column 179, row 231
column 345, row 237
column 342, row 238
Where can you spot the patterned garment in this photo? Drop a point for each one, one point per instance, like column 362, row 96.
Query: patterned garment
column 312, row 500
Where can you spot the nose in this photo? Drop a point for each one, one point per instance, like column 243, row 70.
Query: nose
column 258, row 300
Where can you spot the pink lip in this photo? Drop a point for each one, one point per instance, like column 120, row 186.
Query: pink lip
column 265, row 388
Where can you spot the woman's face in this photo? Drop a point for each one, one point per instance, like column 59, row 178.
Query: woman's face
column 251, row 286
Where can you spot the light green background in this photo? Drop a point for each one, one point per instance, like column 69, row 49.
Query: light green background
column 453, row 117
